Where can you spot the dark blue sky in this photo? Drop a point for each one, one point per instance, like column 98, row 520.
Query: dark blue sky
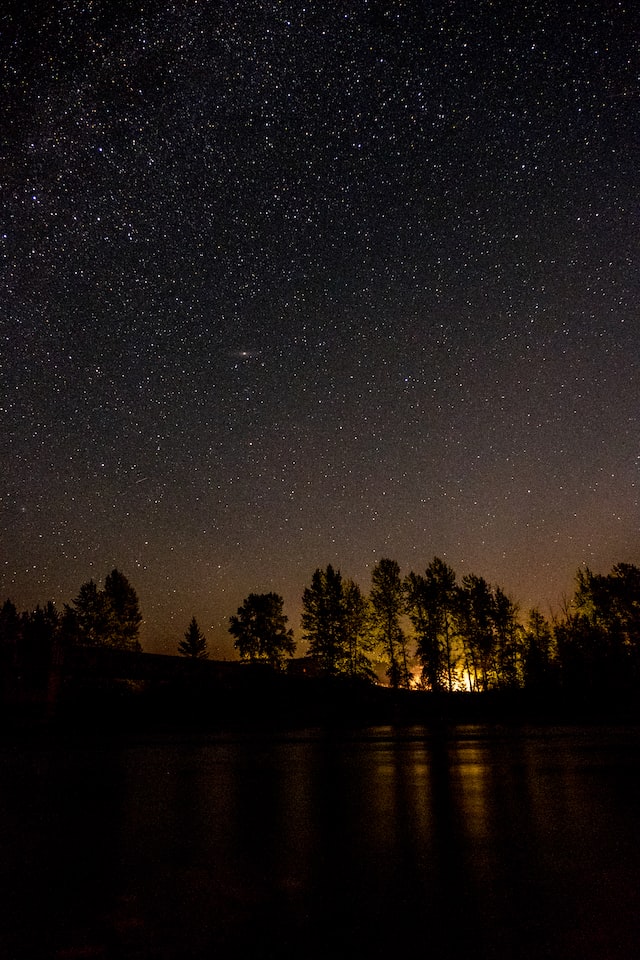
column 287, row 284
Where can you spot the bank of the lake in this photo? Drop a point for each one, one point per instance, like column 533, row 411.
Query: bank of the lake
column 101, row 689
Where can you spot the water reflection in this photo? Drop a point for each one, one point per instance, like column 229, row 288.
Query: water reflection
column 476, row 841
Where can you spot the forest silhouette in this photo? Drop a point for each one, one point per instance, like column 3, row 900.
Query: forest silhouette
column 427, row 638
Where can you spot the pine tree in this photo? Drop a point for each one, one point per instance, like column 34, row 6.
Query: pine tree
column 194, row 644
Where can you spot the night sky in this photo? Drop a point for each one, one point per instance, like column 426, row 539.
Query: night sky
column 287, row 284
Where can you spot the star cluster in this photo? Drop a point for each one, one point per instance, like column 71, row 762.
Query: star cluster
column 292, row 283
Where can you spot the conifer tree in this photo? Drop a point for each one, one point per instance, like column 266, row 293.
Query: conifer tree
column 194, row 644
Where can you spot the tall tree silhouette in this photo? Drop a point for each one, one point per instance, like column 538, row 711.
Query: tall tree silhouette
column 323, row 621
column 387, row 606
column 125, row 616
column 336, row 623
column 88, row 619
column 476, row 628
column 359, row 641
column 432, row 603
column 538, row 657
column 507, row 631
column 194, row 644
column 260, row 629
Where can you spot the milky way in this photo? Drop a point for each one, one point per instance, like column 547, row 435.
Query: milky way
column 291, row 284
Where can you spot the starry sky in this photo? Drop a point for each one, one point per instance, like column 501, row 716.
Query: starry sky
column 294, row 283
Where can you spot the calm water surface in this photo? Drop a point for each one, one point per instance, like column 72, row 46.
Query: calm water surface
column 463, row 841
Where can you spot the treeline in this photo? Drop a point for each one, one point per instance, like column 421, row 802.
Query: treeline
column 427, row 631
column 33, row 643
column 434, row 632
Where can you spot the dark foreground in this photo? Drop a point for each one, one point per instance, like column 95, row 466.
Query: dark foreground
column 448, row 841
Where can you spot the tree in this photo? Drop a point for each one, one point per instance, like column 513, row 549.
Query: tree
column 387, row 606
column 418, row 612
column 612, row 602
column 109, row 617
column 538, row 661
column 357, row 631
column 88, row 619
column 30, row 650
column 323, row 621
column 583, row 654
column 194, row 644
column 260, row 630
column 598, row 640
column 39, row 643
column 336, row 625
column 475, row 624
column 504, row 614
column 624, row 584
column 431, row 603
column 10, row 633
column 125, row 616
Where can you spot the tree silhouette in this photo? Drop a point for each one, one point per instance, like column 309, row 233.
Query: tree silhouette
column 476, row 629
column 109, row 617
column 10, row 633
column 538, row 657
column 507, row 631
column 260, row 630
column 598, row 641
column 336, row 623
column 387, row 606
column 467, row 634
column 323, row 621
column 194, row 644
column 125, row 616
column 359, row 640
column 432, row 603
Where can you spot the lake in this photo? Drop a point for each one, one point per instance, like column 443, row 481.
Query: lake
column 453, row 842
